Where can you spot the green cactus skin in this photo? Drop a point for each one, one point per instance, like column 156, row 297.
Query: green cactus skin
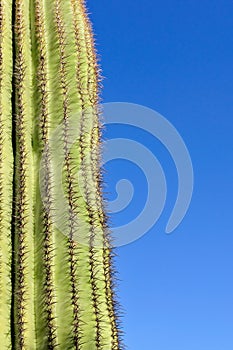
column 55, row 291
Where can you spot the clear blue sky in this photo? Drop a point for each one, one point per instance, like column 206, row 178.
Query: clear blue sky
column 175, row 57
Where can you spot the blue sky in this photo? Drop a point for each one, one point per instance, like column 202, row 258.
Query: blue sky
column 175, row 57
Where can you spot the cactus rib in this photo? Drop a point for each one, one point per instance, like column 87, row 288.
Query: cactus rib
column 6, row 171
column 24, row 221
column 44, row 213
column 93, row 89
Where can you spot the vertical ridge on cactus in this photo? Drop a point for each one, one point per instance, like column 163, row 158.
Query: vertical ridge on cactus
column 6, row 171
column 57, row 288
column 24, row 181
column 46, row 331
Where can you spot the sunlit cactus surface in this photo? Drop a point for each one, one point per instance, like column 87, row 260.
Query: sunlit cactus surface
column 57, row 284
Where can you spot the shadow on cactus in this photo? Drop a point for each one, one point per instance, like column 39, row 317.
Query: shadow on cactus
column 57, row 287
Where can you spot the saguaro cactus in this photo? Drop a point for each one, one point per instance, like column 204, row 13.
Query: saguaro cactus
column 56, row 284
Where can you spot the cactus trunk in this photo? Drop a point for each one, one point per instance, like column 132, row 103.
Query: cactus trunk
column 56, row 259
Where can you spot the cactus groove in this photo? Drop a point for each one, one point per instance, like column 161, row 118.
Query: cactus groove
column 57, row 282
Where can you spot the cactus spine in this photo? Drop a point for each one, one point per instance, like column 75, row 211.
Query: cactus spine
column 55, row 291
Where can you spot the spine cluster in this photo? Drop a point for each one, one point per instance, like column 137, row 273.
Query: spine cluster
column 57, row 284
